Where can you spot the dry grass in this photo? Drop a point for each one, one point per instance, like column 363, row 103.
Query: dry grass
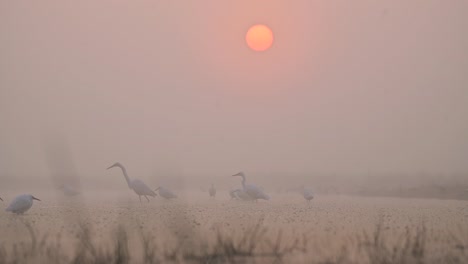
column 331, row 230
column 253, row 246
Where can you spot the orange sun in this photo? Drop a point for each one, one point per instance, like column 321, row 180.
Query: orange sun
column 259, row 37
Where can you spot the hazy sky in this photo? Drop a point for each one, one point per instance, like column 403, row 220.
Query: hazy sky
column 170, row 87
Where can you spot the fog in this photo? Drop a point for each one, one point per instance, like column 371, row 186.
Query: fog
column 170, row 89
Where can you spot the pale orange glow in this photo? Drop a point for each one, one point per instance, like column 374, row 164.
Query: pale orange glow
column 259, row 37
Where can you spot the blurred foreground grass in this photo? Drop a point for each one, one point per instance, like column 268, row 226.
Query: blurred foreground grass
column 254, row 245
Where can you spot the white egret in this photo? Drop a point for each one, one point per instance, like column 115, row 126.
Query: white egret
column 69, row 190
column 308, row 194
column 166, row 193
column 240, row 194
column 21, row 203
column 136, row 185
column 212, row 191
column 251, row 190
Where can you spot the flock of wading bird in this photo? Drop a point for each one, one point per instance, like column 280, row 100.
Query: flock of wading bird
column 249, row 192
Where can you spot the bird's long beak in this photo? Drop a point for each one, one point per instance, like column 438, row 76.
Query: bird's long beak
column 1, row 199
column 34, row 198
column 110, row 167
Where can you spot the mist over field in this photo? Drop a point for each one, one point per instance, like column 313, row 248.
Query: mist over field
column 171, row 88
column 353, row 101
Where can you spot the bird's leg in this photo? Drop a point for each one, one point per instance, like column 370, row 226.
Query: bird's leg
column 147, row 198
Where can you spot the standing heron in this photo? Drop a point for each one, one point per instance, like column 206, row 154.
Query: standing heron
column 212, row 191
column 21, row 204
column 240, row 194
column 136, row 185
column 251, row 190
column 166, row 193
column 308, row 194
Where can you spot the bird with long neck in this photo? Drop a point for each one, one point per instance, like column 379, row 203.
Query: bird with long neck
column 240, row 194
column 252, row 190
column 140, row 188
column 241, row 174
column 124, row 171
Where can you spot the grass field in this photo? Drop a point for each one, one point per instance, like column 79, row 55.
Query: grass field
column 112, row 228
